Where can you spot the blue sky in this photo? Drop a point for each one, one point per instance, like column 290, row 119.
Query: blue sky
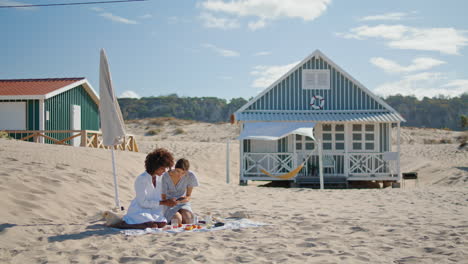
column 237, row 48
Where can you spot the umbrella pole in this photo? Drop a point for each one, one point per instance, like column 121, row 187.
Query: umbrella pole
column 116, row 187
column 320, row 153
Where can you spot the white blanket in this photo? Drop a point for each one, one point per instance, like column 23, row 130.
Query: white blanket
column 228, row 224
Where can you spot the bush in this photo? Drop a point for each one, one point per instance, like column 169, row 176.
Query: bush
column 463, row 139
column 156, row 122
column 4, row 134
column 153, row 132
column 179, row 131
column 445, row 141
column 429, row 141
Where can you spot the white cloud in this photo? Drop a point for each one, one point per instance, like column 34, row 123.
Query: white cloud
column 129, row 94
column 266, row 75
column 210, row 21
column 97, row 9
column 175, row 20
column 146, row 16
column 16, row 3
column 418, row 64
column 222, row 52
column 257, row 24
column 427, row 84
column 262, row 53
column 458, row 84
column 268, row 10
column 444, row 40
column 392, row 32
column 117, row 19
column 387, row 16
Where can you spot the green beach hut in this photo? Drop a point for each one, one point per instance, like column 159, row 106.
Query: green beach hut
column 56, row 104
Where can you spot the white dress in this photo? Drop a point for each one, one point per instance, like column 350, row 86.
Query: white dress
column 145, row 207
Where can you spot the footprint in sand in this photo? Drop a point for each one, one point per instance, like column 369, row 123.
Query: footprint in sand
column 89, row 171
column 306, row 245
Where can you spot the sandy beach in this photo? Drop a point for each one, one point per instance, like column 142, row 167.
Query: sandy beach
column 51, row 197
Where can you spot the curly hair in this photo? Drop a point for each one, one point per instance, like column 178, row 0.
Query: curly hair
column 158, row 158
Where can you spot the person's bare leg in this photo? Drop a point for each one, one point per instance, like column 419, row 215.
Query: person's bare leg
column 155, row 224
column 187, row 217
column 124, row 225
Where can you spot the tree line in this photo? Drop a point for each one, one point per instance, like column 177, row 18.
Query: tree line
column 436, row 112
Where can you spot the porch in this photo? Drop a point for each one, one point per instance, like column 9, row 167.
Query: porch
column 359, row 166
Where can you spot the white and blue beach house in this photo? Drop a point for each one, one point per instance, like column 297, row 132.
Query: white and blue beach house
column 352, row 125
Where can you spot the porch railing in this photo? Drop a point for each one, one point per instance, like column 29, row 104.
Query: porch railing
column 335, row 164
column 275, row 163
column 87, row 138
column 372, row 164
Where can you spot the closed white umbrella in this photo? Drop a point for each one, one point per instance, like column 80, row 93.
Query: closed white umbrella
column 112, row 124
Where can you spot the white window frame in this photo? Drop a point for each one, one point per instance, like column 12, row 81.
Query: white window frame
column 310, row 79
column 363, row 139
column 303, row 141
column 333, row 140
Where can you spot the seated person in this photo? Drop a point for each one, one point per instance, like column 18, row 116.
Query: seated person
column 178, row 184
column 146, row 210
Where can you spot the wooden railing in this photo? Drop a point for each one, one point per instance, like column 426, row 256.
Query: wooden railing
column 371, row 164
column 88, row 138
column 275, row 163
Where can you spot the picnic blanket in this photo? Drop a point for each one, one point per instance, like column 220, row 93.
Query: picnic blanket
column 229, row 223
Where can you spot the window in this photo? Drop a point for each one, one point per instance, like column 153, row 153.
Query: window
column 283, row 144
column 304, row 143
column 247, row 145
column 333, row 137
column 363, row 137
column 315, row 79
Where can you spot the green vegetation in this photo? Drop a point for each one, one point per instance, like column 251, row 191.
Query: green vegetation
column 464, row 121
column 153, row 132
column 179, row 131
column 438, row 112
column 206, row 109
column 4, row 134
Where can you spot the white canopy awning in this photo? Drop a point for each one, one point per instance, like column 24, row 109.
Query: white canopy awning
column 276, row 130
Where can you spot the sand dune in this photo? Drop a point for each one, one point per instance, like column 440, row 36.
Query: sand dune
column 50, row 196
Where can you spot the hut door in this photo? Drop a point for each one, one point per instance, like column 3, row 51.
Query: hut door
column 75, row 123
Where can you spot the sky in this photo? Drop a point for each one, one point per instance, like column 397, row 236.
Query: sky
column 237, row 48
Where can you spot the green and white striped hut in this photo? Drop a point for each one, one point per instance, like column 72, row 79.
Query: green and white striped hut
column 48, row 104
column 351, row 125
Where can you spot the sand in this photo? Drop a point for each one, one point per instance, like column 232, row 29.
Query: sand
column 50, row 197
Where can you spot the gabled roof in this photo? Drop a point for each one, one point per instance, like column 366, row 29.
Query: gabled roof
column 11, row 89
column 317, row 54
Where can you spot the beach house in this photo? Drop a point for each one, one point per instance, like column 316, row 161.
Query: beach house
column 61, row 104
column 316, row 108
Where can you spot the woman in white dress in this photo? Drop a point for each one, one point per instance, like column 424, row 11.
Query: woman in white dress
column 147, row 209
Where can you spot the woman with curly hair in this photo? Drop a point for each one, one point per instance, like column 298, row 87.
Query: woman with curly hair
column 147, row 209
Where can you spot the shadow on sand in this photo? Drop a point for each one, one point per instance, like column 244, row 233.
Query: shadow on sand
column 93, row 230
column 5, row 226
